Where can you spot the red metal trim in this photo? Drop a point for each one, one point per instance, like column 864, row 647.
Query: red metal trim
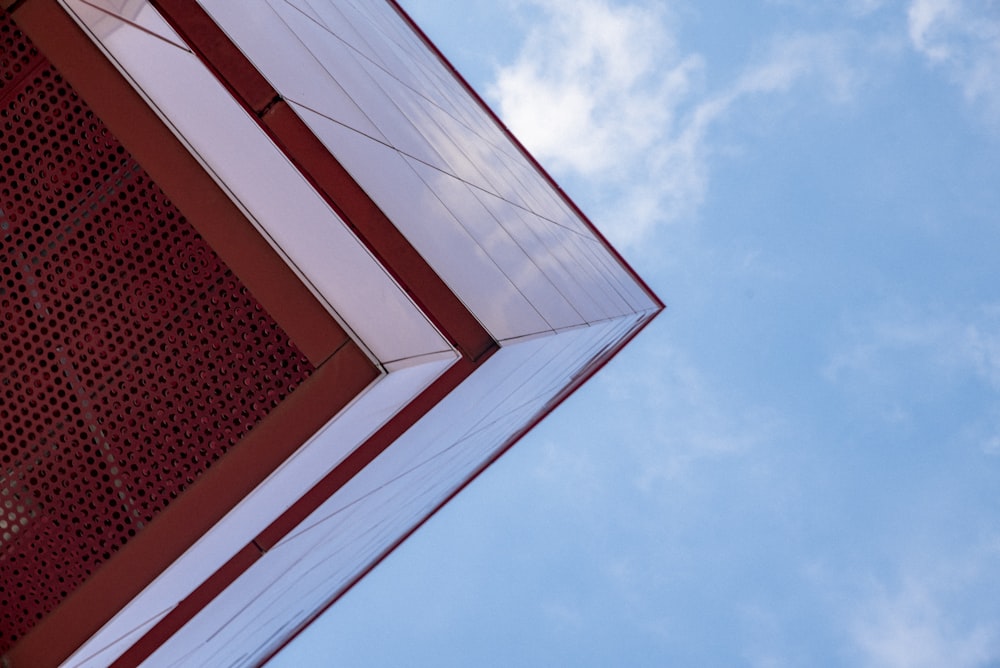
column 386, row 242
column 313, row 499
column 190, row 606
column 366, row 454
column 218, row 52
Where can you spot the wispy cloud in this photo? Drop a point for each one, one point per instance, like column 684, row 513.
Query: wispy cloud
column 951, row 343
column 595, row 88
column 672, row 425
column 922, row 604
column 903, row 357
column 604, row 91
column 915, row 625
column 982, row 346
column 587, row 84
column 963, row 38
column 692, row 420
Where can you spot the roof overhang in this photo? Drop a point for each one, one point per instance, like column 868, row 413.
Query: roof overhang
column 382, row 199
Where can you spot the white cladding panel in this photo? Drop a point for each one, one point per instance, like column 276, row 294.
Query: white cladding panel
column 397, row 491
column 320, row 455
column 435, row 161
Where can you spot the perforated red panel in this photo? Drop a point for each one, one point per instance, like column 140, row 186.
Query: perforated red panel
column 131, row 358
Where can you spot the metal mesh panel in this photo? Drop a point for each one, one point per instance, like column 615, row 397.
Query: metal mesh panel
column 131, row 358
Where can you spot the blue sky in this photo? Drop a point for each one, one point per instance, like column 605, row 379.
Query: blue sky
column 798, row 463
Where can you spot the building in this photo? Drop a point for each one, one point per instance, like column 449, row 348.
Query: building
column 276, row 285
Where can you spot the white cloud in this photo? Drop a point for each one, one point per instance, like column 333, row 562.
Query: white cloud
column 982, row 345
column 929, row 604
column 603, row 91
column 910, row 629
column 590, row 83
column 690, row 421
column 792, row 58
column 672, row 425
column 992, row 445
column 925, row 620
column 597, row 91
column 963, row 38
column 946, row 343
column 909, row 363
column 924, row 17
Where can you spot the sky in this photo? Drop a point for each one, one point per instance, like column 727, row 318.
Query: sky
column 796, row 464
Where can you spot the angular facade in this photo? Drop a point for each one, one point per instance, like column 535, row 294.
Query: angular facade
column 276, row 285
